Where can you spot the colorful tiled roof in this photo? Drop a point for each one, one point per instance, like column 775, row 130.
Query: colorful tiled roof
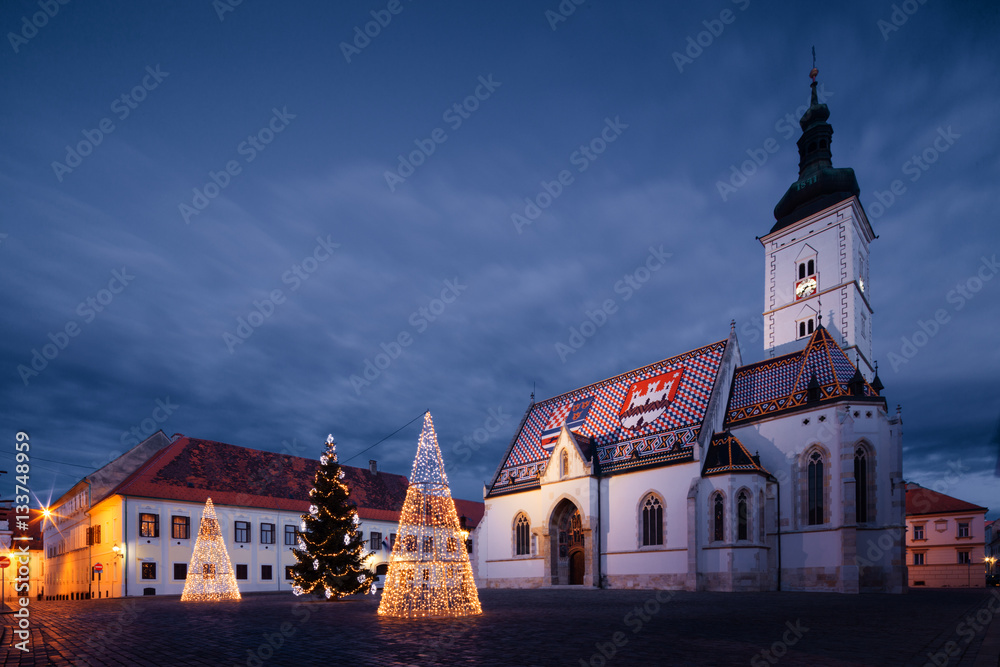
column 925, row 501
column 772, row 386
column 648, row 416
column 191, row 470
column 726, row 454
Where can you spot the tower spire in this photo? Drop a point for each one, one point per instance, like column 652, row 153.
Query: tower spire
column 819, row 184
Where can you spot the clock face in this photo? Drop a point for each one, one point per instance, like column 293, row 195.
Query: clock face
column 805, row 287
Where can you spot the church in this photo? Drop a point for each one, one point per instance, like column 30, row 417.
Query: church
column 699, row 472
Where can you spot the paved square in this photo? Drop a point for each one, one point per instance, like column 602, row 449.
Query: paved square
column 543, row 627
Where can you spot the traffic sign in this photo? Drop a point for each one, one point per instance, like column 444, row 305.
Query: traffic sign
column 98, row 568
column 4, row 561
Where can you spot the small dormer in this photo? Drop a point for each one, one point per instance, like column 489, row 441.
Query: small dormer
column 570, row 458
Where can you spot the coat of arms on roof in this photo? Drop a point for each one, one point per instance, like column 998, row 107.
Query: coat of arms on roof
column 572, row 414
column 647, row 400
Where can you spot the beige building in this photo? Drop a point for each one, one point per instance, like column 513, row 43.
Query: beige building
column 945, row 540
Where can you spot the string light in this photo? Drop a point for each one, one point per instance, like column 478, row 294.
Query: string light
column 429, row 569
column 210, row 575
column 323, row 568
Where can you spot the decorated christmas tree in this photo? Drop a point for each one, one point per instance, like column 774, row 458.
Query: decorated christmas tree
column 331, row 549
column 210, row 575
column 429, row 570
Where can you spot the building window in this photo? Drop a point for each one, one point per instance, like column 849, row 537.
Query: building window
column 564, row 464
column 265, row 573
column 242, row 531
column 208, row 570
column 288, row 572
column 180, row 527
column 806, row 327
column 652, row 521
column 290, row 536
column 409, row 542
column 742, row 516
column 718, row 518
column 428, row 544
column 149, row 570
column 452, row 545
column 760, row 517
column 267, row 533
column 241, row 571
column 964, row 557
column 918, row 558
column 522, row 536
column 815, row 482
column 963, row 529
column 861, row 485
column 807, row 268
column 180, row 571
column 375, row 541
column 392, row 540
column 97, row 534
column 149, row 525
column 918, row 532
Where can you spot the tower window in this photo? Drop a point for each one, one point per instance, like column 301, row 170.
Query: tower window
column 807, row 268
column 806, row 327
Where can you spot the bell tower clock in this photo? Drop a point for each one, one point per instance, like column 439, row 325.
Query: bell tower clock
column 816, row 254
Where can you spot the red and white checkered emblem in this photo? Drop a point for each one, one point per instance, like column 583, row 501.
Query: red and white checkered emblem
column 647, row 400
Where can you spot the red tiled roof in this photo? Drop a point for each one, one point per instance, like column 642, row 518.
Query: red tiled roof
column 193, row 470
column 925, row 501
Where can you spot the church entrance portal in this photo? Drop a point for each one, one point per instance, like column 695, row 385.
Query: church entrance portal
column 567, row 545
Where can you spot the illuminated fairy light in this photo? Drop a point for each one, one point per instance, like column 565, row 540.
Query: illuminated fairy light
column 429, row 570
column 331, row 551
column 210, row 576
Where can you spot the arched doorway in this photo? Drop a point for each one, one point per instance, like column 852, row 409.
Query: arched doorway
column 567, row 561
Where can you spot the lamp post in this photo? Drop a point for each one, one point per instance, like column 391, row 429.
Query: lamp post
column 119, row 553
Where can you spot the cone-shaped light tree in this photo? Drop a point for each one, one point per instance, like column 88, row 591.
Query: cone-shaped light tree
column 429, row 570
column 210, row 575
column 331, row 550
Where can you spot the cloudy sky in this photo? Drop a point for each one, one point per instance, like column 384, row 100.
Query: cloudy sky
column 259, row 224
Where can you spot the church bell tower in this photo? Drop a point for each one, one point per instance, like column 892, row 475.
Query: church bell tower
column 816, row 254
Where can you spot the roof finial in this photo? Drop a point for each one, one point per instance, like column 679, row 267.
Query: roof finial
column 814, row 72
column 532, row 393
column 732, row 325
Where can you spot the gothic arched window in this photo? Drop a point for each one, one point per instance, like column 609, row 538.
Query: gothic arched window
column 743, row 516
column 815, row 481
column 718, row 518
column 862, row 485
column 652, row 521
column 522, row 535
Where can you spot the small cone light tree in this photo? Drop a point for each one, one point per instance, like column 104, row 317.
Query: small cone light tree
column 210, row 575
column 429, row 570
column 331, row 549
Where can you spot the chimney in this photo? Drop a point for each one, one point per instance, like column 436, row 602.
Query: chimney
column 373, row 466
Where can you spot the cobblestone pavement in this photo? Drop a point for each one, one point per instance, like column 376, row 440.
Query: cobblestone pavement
column 542, row 627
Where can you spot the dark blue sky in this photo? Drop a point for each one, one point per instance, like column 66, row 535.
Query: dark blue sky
column 224, row 239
